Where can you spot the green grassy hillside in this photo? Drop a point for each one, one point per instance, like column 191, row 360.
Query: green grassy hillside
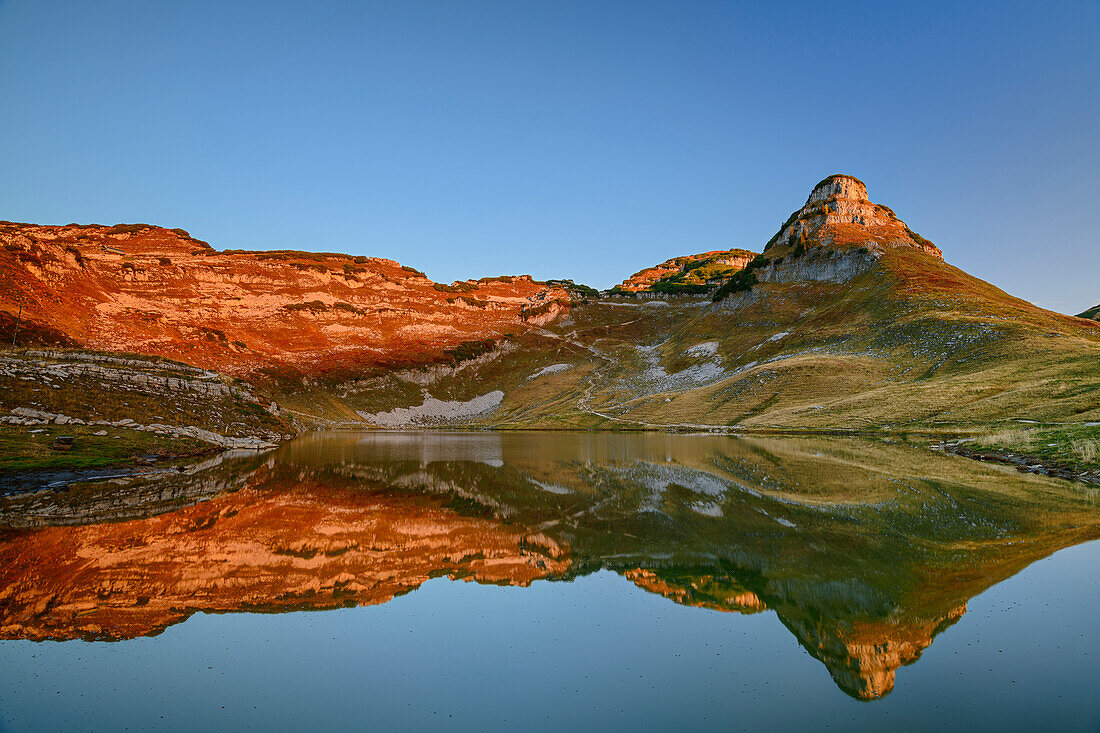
column 913, row 344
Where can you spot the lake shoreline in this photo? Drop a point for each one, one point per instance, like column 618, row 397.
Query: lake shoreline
column 1025, row 463
column 56, row 474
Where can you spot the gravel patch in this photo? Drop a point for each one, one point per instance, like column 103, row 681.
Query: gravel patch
column 434, row 411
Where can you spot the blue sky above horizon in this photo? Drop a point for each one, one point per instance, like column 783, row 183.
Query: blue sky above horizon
column 572, row 139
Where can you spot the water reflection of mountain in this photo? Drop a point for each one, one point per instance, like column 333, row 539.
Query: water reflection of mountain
column 865, row 551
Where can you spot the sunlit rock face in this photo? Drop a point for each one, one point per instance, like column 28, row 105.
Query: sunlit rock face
column 838, row 213
column 842, row 188
column 307, row 548
column 723, row 263
column 158, row 291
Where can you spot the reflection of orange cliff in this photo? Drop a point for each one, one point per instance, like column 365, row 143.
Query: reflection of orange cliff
column 305, row 548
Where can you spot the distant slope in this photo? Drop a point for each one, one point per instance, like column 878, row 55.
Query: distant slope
column 688, row 274
column 1093, row 313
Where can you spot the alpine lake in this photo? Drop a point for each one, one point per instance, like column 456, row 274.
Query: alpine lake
column 550, row 581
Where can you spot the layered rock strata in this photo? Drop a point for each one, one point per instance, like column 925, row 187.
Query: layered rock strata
column 311, row 547
column 839, row 213
column 148, row 290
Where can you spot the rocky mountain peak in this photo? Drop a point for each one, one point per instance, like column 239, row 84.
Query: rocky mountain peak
column 839, row 186
column 839, row 214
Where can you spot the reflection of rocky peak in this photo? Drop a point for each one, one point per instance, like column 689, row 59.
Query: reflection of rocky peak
column 729, row 524
column 702, row 591
column 838, row 213
column 863, row 655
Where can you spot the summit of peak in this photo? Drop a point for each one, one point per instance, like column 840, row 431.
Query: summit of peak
column 838, row 214
column 839, row 186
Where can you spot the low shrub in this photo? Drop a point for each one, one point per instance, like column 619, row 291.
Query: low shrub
column 742, row 280
column 128, row 228
column 213, row 334
column 470, row 350
column 313, row 305
column 316, row 267
column 790, row 220
column 458, row 287
column 917, row 238
column 584, row 290
column 674, row 286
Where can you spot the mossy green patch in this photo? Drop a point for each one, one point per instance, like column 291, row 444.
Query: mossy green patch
column 30, row 448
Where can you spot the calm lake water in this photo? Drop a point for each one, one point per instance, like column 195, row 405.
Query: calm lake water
column 541, row 581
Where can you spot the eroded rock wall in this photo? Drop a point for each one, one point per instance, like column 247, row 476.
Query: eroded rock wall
column 156, row 291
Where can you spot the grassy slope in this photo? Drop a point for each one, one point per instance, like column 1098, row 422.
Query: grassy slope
column 69, row 392
column 914, row 345
column 1072, row 447
column 21, row 449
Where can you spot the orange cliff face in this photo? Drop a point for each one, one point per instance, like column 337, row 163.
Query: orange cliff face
column 302, row 548
column 158, row 291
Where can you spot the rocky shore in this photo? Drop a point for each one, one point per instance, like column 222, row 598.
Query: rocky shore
column 1023, row 462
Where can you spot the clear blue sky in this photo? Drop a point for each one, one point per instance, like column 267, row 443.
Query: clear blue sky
column 561, row 139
